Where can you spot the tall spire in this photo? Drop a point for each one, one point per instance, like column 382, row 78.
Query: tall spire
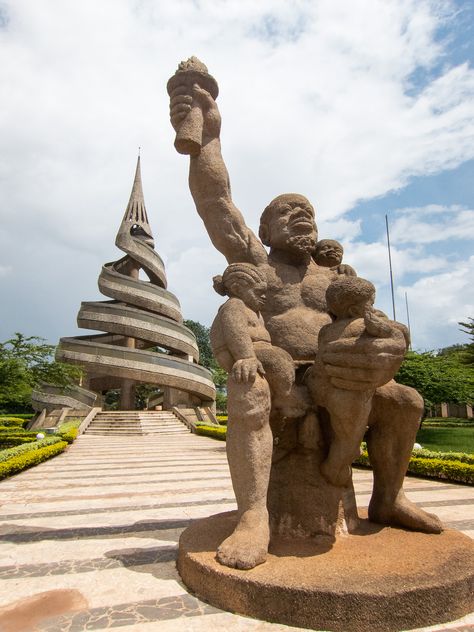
column 135, row 219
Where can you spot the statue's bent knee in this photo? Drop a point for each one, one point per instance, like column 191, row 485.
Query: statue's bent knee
column 398, row 402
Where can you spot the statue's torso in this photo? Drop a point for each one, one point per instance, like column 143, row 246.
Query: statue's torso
column 295, row 309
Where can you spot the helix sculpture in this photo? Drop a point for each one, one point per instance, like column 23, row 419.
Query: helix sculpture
column 142, row 315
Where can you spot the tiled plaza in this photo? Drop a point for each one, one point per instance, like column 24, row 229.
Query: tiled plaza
column 88, row 540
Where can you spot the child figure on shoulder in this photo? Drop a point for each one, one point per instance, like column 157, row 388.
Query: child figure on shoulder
column 328, row 254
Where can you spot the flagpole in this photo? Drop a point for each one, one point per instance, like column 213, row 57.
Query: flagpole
column 390, row 265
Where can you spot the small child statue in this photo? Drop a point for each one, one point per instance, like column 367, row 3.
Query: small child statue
column 242, row 345
column 360, row 328
column 328, row 254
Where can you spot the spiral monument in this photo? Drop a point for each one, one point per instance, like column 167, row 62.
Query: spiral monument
column 145, row 341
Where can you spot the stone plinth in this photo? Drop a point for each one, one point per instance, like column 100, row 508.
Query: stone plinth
column 378, row 578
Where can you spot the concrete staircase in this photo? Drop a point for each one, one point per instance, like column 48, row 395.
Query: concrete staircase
column 136, row 422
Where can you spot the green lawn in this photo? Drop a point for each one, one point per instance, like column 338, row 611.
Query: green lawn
column 447, row 439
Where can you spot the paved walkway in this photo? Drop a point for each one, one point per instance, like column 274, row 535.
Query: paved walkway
column 88, row 540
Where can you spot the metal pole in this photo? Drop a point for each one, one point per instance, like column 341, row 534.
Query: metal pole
column 408, row 318
column 390, row 264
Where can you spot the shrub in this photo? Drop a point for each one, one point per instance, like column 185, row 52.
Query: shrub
column 68, row 430
column 449, row 420
column 222, row 419
column 215, row 432
column 445, row 456
column 439, row 468
column 27, row 447
column 33, row 457
column 448, row 424
column 11, row 441
column 23, row 416
column 452, row 470
column 13, row 435
column 12, row 421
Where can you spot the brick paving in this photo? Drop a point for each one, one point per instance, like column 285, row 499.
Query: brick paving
column 88, row 540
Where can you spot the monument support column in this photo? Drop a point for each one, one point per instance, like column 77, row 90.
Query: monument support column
column 128, row 388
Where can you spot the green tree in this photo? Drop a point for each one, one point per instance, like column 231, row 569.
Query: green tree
column 206, row 358
column 203, row 342
column 438, row 377
column 468, row 328
column 25, row 362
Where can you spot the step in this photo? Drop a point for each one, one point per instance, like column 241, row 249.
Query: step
column 136, row 422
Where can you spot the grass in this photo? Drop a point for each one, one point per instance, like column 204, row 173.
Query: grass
column 447, row 439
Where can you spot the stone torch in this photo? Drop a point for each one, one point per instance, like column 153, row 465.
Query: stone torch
column 189, row 136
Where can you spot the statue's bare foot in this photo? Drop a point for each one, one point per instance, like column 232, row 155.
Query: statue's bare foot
column 336, row 475
column 248, row 545
column 404, row 513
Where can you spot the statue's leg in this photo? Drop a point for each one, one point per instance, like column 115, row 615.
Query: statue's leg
column 349, row 411
column 249, row 452
column 393, row 424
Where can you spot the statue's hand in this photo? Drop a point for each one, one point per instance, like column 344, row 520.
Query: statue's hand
column 246, row 370
column 343, row 268
column 181, row 102
column 366, row 365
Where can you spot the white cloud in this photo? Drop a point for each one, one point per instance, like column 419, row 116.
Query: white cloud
column 432, row 223
column 371, row 261
column 438, row 303
column 317, row 97
column 341, row 229
column 5, row 270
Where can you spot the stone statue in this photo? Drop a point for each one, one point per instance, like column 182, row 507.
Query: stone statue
column 350, row 300
column 274, row 465
column 328, row 253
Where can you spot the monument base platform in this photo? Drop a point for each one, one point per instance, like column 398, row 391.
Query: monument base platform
column 376, row 578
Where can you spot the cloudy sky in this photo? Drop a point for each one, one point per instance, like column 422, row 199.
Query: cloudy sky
column 364, row 106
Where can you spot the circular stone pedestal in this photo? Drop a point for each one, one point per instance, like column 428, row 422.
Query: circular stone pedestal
column 378, row 578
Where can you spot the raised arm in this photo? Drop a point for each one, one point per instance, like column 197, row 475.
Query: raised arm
column 209, row 181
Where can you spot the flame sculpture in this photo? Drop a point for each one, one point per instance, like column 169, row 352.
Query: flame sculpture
column 140, row 316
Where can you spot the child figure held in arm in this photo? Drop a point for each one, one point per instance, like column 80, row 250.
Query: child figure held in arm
column 242, row 345
column 328, row 254
column 364, row 331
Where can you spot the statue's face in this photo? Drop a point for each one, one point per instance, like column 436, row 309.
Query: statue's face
column 291, row 224
column 252, row 294
column 328, row 253
column 359, row 308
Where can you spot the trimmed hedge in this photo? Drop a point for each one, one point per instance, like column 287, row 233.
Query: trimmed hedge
column 28, row 459
column 24, row 416
column 443, row 469
column 21, row 449
column 447, row 470
column 447, row 424
column 68, row 430
column 444, row 456
column 13, row 435
column 12, row 421
column 11, row 442
column 215, row 432
column 449, row 419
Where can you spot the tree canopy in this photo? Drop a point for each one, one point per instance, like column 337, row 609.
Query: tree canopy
column 206, row 358
column 203, row 342
column 25, row 362
column 438, row 377
column 468, row 328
